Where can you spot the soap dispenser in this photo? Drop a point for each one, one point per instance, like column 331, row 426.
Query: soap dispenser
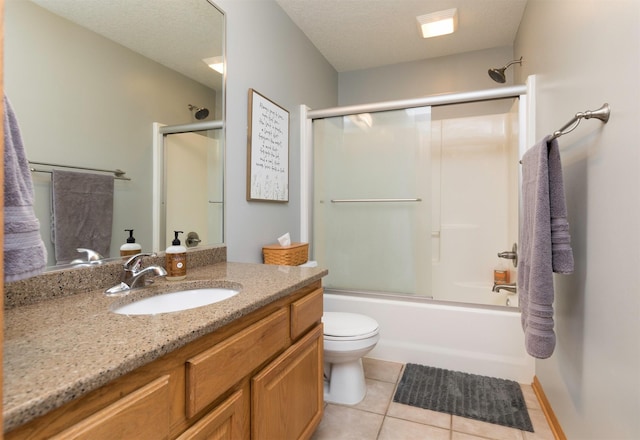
column 130, row 247
column 176, row 259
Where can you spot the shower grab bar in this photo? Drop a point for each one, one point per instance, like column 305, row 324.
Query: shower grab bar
column 602, row 113
column 374, row 200
column 118, row 173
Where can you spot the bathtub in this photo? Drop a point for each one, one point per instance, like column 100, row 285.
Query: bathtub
column 474, row 339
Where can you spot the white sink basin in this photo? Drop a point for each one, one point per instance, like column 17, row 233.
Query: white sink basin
column 176, row 301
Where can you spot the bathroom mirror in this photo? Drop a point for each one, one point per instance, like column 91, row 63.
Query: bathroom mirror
column 87, row 80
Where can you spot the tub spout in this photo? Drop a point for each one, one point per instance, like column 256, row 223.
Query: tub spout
column 512, row 288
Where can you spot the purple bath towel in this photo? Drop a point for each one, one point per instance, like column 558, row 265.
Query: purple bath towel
column 24, row 251
column 544, row 244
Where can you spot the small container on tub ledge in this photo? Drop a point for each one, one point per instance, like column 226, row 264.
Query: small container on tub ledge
column 501, row 274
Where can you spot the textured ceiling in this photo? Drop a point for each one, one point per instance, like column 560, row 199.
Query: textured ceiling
column 360, row 34
column 351, row 34
column 176, row 33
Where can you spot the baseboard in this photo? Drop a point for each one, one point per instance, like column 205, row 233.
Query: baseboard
column 547, row 410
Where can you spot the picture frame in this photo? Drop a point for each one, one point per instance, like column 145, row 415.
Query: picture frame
column 267, row 150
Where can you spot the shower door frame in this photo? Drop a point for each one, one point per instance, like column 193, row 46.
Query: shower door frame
column 526, row 136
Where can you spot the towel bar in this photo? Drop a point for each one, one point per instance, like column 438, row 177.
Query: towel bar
column 602, row 113
column 373, row 200
column 118, row 174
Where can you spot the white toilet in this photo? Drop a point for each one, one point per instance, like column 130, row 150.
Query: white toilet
column 347, row 338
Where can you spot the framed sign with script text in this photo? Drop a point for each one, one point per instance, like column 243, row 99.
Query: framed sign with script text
column 267, row 150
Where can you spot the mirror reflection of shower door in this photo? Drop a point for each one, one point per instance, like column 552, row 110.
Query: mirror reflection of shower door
column 193, row 187
column 372, row 201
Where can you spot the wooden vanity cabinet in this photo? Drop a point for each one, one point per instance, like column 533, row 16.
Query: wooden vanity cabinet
column 143, row 414
column 259, row 377
column 228, row 421
column 286, row 397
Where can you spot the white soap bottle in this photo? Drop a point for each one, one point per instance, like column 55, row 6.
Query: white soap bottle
column 176, row 259
column 130, row 247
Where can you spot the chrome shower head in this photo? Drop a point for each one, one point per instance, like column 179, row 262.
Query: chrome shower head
column 201, row 113
column 498, row 74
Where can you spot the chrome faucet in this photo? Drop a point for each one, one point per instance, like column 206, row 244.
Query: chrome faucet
column 134, row 273
column 510, row 287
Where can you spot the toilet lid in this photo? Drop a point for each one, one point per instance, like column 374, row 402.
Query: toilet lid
column 339, row 324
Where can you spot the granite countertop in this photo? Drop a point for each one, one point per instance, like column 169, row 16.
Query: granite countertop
column 60, row 349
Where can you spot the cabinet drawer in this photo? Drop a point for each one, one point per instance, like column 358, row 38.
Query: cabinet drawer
column 305, row 313
column 217, row 369
column 228, row 421
column 143, row 414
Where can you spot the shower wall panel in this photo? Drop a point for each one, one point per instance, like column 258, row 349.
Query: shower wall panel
column 477, row 207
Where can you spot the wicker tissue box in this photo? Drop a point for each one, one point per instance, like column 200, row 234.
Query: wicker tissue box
column 293, row 255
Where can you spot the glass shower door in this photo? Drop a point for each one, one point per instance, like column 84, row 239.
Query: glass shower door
column 373, row 189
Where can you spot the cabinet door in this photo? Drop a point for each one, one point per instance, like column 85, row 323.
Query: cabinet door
column 214, row 371
column 143, row 414
column 287, row 396
column 228, row 421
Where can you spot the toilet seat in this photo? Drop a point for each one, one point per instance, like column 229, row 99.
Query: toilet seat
column 339, row 326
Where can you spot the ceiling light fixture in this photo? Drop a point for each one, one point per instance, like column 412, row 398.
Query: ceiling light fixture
column 438, row 23
column 216, row 63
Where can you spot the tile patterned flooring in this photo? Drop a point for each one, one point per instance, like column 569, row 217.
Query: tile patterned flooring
column 377, row 417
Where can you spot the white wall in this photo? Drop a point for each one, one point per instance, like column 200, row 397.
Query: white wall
column 585, row 53
column 267, row 52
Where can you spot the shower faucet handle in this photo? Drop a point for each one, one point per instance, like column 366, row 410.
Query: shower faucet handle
column 511, row 255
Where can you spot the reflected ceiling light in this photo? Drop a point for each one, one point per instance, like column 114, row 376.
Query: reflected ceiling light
column 362, row 120
column 438, row 23
column 216, row 63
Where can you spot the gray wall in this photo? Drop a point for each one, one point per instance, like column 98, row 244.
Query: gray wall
column 585, row 53
column 267, row 52
column 448, row 74
column 456, row 73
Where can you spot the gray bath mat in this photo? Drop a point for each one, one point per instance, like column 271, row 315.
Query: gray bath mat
column 477, row 397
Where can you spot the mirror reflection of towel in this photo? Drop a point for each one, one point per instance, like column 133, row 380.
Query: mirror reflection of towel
column 24, row 252
column 82, row 213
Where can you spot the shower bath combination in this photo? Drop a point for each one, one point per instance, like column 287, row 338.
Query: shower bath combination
column 498, row 74
column 200, row 113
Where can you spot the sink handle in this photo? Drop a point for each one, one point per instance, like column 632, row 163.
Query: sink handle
column 117, row 290
column 135, row 259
